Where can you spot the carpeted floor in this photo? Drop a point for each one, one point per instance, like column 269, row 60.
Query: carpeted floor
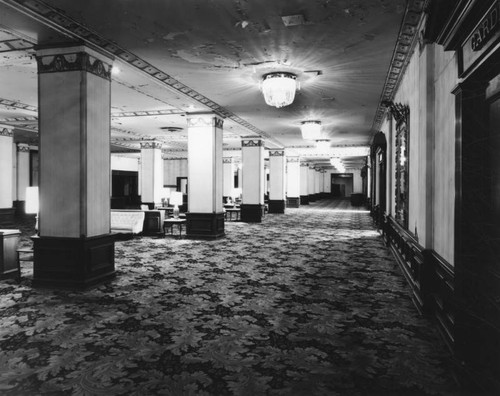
column 306, row 303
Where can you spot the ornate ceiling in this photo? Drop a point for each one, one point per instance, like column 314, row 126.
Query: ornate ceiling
column 180, row 56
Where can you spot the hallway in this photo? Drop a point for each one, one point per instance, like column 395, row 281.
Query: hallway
column 306, row 303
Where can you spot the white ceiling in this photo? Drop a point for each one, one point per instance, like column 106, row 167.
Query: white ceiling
column 218, row 51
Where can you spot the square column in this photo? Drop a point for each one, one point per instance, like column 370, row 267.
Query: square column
column 6, row 180
column 75, row 248
column 304, row 183
column 228, row 177
column 151, row 173
column 293, row 182
column 311, row 183
column 252, row 153
column 277, row 181
column 205, row 219
column 22, row 175
column 317, row 175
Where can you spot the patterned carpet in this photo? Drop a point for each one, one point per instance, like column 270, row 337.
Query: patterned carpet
column 306, row 303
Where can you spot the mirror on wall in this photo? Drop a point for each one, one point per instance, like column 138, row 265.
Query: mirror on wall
column 401, row 114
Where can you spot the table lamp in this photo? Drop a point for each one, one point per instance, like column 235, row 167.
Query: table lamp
column 32, row 204
column 176, row 200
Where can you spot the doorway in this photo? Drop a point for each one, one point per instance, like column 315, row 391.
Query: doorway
column 341, row 185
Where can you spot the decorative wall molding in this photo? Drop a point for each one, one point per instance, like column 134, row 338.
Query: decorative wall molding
column 276, row 153
column 407, row 39
column 6, row 132
column 252, row 143
column 151, row 145
column 73, row 62
column 23, row 148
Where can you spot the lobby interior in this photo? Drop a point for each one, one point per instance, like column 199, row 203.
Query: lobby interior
column 363, row 254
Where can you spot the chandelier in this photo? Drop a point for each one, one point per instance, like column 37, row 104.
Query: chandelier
column 311, row 130
column 279, row 88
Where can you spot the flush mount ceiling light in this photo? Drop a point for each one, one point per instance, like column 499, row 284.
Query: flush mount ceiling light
column 311, row 130
column 279, row 88
column 351, row 151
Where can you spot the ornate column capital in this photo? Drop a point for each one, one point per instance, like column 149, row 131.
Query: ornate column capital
column 7, row 132
column 227, row 160
column 252, row 142
column 151, row 145
column 276, row 153
column 23, row 148
column 204, row 120
column 292, row 159
column 73, row 58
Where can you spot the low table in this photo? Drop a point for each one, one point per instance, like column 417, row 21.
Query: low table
column 169, row 223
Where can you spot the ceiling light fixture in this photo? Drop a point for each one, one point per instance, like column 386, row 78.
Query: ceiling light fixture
column 279, row 88
column 311, row 130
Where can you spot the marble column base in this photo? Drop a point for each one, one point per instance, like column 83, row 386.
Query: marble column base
column 304, row 199
column 73, row 263
column 293, row 202
column 276, row 206
column 205, row 225
column 251, row 213
column 7, row 217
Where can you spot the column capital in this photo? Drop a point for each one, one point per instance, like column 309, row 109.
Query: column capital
column 276, row 153
column 227, row 160
column 304, row 164
column 7, row 132
column 151, row 145
column 73, row 58
column 292, row 159
column 204, row 120
column 252, row 142
column 23, row 148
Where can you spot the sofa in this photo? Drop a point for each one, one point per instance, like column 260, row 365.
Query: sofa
column 127, row 221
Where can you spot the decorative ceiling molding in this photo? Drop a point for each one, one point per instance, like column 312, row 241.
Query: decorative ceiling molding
column 56, row 19
column 146, row 113
column 15, row 45
column 19, row 119
column 405, row 44
column 18, row 105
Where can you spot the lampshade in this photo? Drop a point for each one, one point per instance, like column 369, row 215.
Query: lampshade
column 31, row 205
column 311, row 130
column 176, row 198
column 279, row 88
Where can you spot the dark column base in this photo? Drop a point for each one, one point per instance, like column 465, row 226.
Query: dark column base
column 304, row 199
column 292, row 202
column 7, row 217
column 251, row 213
column 73, row 263
column 20, row 207
column 276, row 206
column 9, row 240
column 312, row 197
column 204, row 225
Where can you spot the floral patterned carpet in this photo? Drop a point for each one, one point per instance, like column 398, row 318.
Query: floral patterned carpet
column 309, row 302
